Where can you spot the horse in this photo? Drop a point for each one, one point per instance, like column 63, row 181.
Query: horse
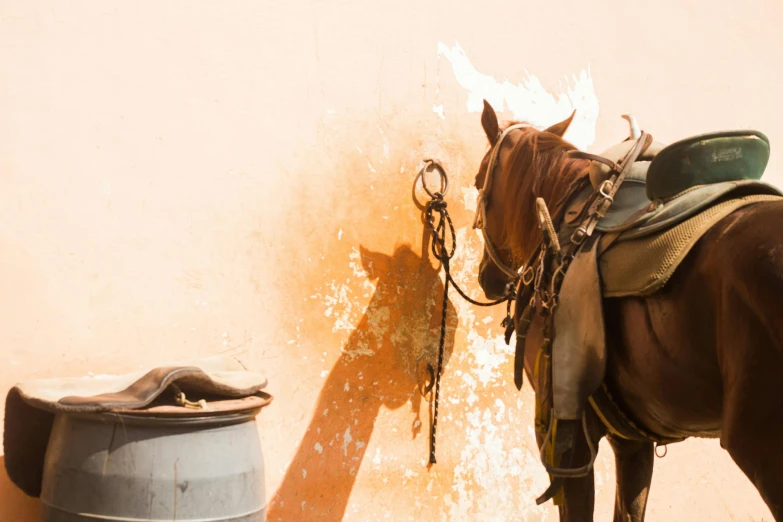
column 701, row 357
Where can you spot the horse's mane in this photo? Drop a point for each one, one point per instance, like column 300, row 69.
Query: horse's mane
column 538, row 166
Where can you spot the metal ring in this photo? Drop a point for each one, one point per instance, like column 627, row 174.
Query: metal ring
column 528, row 276
column 665, row 450
column 429, row 165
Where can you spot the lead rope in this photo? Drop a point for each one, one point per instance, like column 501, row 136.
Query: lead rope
column 438, row 232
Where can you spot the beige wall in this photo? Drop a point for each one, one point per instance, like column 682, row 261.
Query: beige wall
column 182, row 178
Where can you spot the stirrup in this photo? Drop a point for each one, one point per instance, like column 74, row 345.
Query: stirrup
column 569, row 472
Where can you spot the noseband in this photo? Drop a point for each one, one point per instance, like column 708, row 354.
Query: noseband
column 483, row 200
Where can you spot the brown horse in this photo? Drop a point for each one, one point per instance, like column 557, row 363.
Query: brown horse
column 702, row 357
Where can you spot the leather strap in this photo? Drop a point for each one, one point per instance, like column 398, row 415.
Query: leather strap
column 483, row 199
column 578, row 154
column 604, row 196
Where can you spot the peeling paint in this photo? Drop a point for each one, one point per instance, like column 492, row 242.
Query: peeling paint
column 529, row 100
column 346, row 440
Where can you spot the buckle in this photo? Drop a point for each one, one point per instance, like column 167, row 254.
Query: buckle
column 604, row 190
column 579, row 235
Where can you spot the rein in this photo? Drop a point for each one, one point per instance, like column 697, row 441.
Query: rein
column 444, row 245
column 440, row 250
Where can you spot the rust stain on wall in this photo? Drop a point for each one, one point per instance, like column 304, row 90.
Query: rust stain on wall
column 363, row 303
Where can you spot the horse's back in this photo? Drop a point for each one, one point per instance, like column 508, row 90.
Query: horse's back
column 673, row 353
column 747, row 247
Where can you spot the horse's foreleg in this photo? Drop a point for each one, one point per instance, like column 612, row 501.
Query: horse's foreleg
column 634, row 468
column 578, row 499
column 579, row 493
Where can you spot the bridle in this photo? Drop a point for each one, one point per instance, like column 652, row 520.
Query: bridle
column 483, row 200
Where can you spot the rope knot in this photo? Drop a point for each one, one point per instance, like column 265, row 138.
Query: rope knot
column 438, row 204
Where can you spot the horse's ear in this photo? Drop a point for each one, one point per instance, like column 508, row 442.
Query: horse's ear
column 559, row 129
column 375, row 264
column 489, row 120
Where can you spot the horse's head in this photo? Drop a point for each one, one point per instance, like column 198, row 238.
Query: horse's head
column 511, row 175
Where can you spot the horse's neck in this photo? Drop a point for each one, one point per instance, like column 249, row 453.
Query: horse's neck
column 556, row 187
column 560, row 184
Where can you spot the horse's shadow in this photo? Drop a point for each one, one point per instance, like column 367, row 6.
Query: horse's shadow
column 383, row 363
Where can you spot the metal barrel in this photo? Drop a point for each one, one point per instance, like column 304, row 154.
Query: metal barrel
column 120, row 467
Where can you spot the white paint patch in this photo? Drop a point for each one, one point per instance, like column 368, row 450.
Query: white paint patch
column 358, row 271
column 470, row 198
column 489, row 355
column 318, row 447
column 437, row 108
column 495, row 475
column 529, row 101
column 339, row 234
column 470, row 381
column 347, row 440
column 340, row 300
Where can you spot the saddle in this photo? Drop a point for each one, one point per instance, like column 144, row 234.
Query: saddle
column 667, row 198
column 668, row 184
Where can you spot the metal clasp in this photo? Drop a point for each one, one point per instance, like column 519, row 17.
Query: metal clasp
column 604, row 190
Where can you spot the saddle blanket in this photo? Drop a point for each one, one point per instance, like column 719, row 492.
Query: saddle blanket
column 639, row 267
